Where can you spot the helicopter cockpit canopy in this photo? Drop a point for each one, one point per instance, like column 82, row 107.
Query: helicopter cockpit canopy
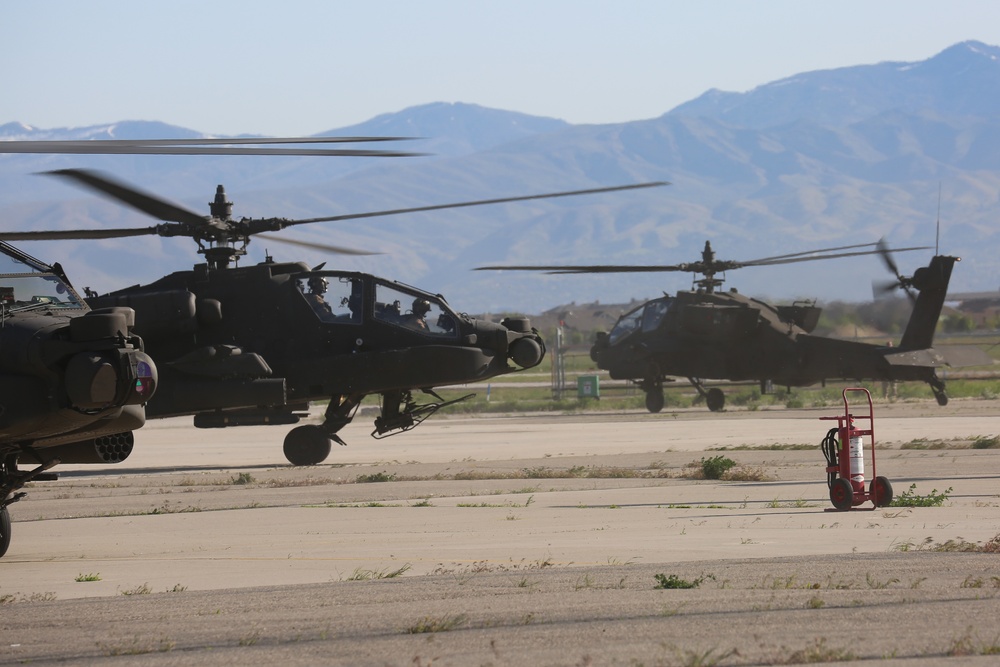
column 334, row 297
column 646, row 317
column 413, row 309
column 341, row 298
column 27, row 283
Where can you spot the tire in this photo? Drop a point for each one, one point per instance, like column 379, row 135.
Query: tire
column 880, row 492
column 306, row 445
column 654, row 400
column 842, row 494
column 4, row 530
column 715, row 400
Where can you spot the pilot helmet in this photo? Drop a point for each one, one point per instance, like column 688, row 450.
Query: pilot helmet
column 421, row 306
column 317, row 285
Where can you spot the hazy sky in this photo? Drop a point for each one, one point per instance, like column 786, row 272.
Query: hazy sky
column 300, row 67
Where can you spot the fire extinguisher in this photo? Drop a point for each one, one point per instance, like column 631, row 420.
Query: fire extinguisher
column 844, row 449
column 855, row 468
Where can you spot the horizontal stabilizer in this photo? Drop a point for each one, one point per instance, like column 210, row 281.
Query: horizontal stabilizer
column 928, row 358
column 954, row 356
column 964, row 355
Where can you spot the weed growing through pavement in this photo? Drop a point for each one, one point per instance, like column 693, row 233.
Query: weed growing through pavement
column 93, row 576
column 136, row 647
column 673, row 581
column 142, row 589
column 437, row 624
column 361, row 574
column 375, row 477
column 242, row 479
column 910, row 498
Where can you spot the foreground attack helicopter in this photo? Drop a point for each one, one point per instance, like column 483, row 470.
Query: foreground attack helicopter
column 254, row 345
column 706, row 334
column 72, row 380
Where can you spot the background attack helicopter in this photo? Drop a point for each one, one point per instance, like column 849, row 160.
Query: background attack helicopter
column 253, row 345
column 73, row 381
column 706, row 334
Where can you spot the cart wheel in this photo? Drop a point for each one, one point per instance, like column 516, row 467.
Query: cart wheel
column 880, row 492
column 842, row 494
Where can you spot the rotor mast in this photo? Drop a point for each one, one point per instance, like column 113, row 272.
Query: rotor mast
column 223, row 251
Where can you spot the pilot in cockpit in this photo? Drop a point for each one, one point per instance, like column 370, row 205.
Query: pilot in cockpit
column 416, row 318
column 317, row 288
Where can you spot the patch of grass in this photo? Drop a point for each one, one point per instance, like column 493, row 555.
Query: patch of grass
column 93, row 576
column 879, row 585
column 242, row 479
column 990, row 546
column 509, row 503
column 716, row 466
column 967, row 646
column 709, row 658
column 991, row 442
column 910, row 498
column 674, row 582
column 136, row 646
column 440, row 624
column 361, row 574
column 375, row 477
column 921, row 443
column 426, row 502
column 818, row 652
column 142, row 589
column 485, row 566
column 176, row 589
column 774, row 447
column 815, row 602
column 743, row 473
column 33, row 597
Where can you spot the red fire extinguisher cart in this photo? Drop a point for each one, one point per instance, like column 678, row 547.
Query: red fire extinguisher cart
column 844, row 448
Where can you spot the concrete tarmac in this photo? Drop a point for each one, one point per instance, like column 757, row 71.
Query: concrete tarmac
column 532, row 539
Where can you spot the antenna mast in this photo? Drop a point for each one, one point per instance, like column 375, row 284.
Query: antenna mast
column 937, row 232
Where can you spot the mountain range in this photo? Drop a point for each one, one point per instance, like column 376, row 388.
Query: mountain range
column 909, row 151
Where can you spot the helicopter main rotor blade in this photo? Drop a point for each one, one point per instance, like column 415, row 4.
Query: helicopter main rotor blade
column 588, row 268
column 339, row 250
column 202, row 150
column 814, row 252
column 77, row 234
column 213, row 146
column 715, row 266
column 213, row 141
column 481, row 202
column 792, row 260
column 149, row 204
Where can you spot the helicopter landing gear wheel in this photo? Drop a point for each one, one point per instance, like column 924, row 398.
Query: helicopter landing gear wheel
column 842, row 494
column 880, row 492
column 654, row 399
column 4, row 530
column 715, row 399
column 306, row 445
column 937, row 386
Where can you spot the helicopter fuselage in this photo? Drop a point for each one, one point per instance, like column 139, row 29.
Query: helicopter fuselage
column 256, row 344
column 703, row 335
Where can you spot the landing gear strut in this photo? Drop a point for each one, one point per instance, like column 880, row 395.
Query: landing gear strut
column 937, row 386
column 654, row 394
column 715, row 399
column 309, row 445
column 4, row 530
column 12, row 479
